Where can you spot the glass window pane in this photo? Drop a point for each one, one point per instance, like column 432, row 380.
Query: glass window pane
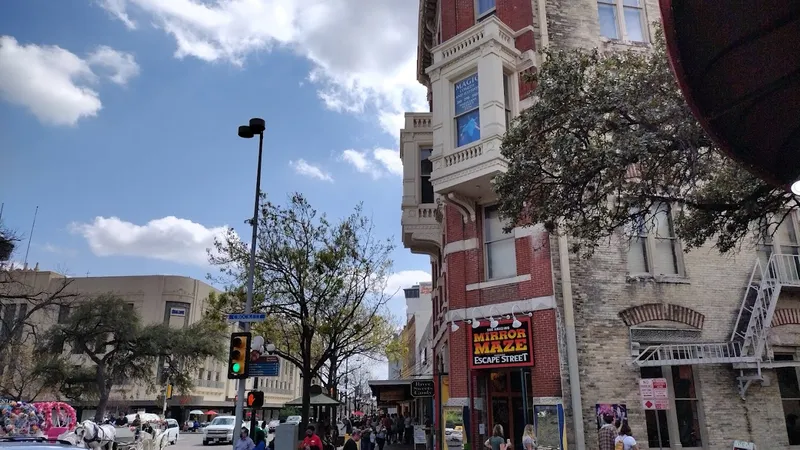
column 791, row 411
column 426, row 190
column 688, row 423
column 662, row 221
column 785, row 232
column 787, row 382
column 468, row 128
column 493, row 226
column 608, row 20
column 501, row 258
column 631, row 3
column 546, row 426
column 506, row 92
column 683, row 380
column 664, row 259
column 485, row 6
column 633, row 24
column 637, row 260
column 426, row 166
column 653, row 427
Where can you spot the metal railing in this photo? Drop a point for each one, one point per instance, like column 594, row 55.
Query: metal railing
column 701, row 353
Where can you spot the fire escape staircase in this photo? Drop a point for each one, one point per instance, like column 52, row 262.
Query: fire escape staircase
column 748, row 346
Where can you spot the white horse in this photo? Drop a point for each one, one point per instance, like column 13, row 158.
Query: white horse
column 160, row 440
column 97, row 437
column 72, row 438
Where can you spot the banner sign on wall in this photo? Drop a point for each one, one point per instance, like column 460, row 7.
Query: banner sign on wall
column 468, row 118
column 503, row 346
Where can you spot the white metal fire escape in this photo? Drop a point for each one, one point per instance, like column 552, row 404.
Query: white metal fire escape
column 749, row 340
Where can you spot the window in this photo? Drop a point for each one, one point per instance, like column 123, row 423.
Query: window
column 790, row 398
column 507, row 97
column 783, row 241
column 653, row 244
column 655, row 423
column 467, row 111
column 621, row 19
column 63, row 313
column 484, row 8
column 501, row 254
column 425, row 169
column 686, row 406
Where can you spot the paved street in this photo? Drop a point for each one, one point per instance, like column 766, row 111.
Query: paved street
column 193, row 441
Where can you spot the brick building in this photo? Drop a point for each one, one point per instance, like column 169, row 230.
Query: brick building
column 524, row 333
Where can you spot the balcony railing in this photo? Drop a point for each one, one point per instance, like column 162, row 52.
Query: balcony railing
column 489, row 29
column 210, row 384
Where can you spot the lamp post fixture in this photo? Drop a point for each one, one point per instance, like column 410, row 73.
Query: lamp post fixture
column 256, row 126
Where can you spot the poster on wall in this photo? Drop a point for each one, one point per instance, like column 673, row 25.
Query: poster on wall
column 502, row 346
column 619, row 411
column 468, row 117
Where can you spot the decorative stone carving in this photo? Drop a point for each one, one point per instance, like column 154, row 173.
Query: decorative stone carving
column 466, row 206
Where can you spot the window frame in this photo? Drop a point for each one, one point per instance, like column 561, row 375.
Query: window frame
column 486, row 243
column 620, row 25
column 672, row 414
column 646, row 233
column 786, row 357
column 456, row 80
column 482, row 15
column 508, row 97
column 772, row 243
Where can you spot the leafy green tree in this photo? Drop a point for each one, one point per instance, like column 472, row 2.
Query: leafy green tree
column 321, row 283
column 114, row 344
column 610, row 136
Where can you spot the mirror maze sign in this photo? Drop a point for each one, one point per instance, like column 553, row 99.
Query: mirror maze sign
column 504, row 346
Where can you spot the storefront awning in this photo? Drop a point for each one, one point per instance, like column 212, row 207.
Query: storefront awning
column 739, row 69
column 390, row 392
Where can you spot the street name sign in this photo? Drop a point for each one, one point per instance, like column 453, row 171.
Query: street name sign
column 252, row 317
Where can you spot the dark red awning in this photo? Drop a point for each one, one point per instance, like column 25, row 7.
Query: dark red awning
column 738, row 65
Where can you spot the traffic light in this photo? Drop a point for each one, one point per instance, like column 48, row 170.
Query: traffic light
column 238, row 358
column 255, row 399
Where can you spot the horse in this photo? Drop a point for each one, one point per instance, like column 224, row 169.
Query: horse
column 144, row 435
column 97, row 437
column 72, row 438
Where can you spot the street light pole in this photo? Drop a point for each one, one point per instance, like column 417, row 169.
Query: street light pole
column 255, row 127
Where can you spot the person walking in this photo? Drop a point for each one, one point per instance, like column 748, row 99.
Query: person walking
column 607, row 434
column 312, row 440
column 399, row 426
column 409, row 430
column 498, row 441
column 244, row 442
column 529, row 438
column 260, row 440
column 624, row 440
column 352, row 443
column 380, row 437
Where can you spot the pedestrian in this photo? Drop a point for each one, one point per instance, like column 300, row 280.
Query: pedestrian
column 607, row 434
column 260, row 440
column 529, row 438
column 624, row 440
column 398, row 427
column 244, row 442
column 498, row 440
column 409, row 430
column 352, row 443
column 312, row 441
column 380, row 437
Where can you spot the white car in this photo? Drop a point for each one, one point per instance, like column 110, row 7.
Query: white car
column 173, row 431
column 220, row 430
column 294, row 419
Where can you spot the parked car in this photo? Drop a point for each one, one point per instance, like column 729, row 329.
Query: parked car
column 173, row 431
column 294, row 419
column 272, row 425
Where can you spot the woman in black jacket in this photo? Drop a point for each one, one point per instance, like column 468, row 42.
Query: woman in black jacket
column 352, row 443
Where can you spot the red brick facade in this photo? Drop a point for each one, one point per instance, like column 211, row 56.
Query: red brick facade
column 466, row 267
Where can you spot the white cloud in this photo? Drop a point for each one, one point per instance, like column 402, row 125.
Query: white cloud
column 168, row 238
column 363, row 51
column 398, row 281
column 381, row 162
column 304, row 168
column 121, row 65
column 55, row 84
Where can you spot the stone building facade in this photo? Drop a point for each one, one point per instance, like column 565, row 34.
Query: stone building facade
column 722, row 331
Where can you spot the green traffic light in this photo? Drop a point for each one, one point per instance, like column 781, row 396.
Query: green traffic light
column 236, row 367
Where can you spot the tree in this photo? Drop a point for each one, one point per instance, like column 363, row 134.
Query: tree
column 115, row 345
column 321, row 283
column 609, row 138
column 27, row 373
column 20, row 295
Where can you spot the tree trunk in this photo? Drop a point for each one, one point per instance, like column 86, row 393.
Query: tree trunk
column 104, row 391
column 306, row 410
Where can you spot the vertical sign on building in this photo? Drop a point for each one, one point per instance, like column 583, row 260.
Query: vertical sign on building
column 654, row 393
column 467, row 109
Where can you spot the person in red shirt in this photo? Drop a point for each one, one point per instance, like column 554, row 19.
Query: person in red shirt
column 312, row 441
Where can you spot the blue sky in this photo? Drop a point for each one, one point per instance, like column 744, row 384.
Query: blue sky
column 119, row 122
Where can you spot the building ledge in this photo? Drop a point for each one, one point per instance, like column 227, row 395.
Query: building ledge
column 500, row 282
